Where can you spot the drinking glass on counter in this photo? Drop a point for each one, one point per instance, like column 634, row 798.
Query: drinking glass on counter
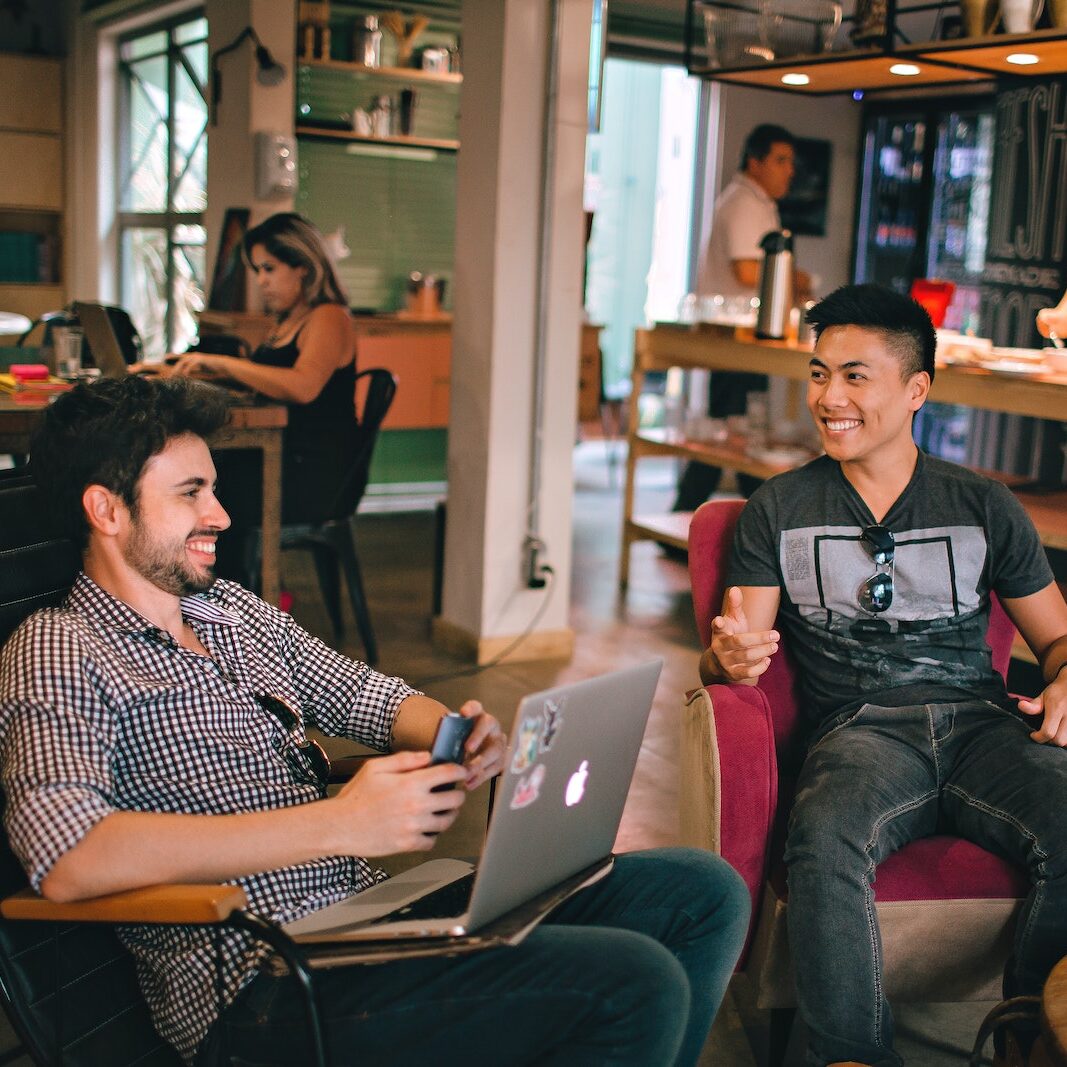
column 68, row 348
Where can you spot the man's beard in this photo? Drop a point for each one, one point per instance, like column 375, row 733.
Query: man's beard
column 165, row 567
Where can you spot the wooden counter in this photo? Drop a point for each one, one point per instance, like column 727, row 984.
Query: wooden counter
column 723, row 348
column 708, row 347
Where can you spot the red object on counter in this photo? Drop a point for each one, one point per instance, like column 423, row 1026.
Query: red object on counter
column 29, row 372
column 935, row 296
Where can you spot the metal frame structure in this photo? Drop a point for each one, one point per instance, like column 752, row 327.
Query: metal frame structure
column 169, row 219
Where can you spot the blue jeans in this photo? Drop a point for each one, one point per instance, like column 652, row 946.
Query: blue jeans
column 875, row 781
column 629, row 971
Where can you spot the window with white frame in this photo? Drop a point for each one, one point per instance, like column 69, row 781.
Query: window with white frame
column 162, row 189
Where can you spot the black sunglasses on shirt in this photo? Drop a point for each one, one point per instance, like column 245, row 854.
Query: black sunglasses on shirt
column 876, row 593
column 312, row 756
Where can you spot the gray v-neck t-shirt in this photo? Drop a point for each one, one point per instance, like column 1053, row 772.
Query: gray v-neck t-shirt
column 958, row 537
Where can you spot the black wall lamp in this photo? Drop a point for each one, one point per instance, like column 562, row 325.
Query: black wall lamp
column 268, row 70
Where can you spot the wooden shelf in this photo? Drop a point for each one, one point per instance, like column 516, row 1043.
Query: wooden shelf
column 970, row 59
column 989, row 55
column 396, row 141
column 714, row 347
column 730, row 453
column 840, row 72
column 413, row 74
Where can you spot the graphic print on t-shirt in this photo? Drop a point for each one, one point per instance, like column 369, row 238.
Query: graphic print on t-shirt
column 936, row 575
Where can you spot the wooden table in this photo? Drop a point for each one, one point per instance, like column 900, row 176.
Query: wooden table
column 251, row 426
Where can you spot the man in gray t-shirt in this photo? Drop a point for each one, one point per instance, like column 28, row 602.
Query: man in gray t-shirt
column 878, row 562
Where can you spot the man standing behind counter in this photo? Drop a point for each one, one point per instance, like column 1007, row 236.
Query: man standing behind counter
column 745, row 210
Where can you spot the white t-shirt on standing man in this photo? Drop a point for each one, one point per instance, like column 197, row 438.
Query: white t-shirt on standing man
column 743, row 213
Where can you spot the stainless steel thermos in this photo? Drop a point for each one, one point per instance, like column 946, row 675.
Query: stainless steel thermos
column 775, row 285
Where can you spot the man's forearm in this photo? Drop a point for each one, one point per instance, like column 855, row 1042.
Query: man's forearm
column 131, row 849
column 1054, row 659
column 416, row 723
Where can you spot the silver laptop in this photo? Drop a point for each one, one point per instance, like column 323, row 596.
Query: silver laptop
column 557, row 812
column 102, row 339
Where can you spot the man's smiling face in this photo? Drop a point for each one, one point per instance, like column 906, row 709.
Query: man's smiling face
column 176, row 519
column 858, row 395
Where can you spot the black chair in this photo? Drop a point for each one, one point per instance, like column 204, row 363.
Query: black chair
column 330, row 541
column 66, row 983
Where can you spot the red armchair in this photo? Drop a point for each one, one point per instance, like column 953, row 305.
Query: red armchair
column 946, row 907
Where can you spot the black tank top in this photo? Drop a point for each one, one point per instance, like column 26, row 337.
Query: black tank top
column 332, row 409
column 321, row 440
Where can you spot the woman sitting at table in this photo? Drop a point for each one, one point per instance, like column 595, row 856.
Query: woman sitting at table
column 308, row 362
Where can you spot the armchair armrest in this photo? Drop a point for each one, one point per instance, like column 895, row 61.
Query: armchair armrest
column 729, row 779
column 177, row 904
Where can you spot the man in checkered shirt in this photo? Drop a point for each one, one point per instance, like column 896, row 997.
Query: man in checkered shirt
column 152, row 731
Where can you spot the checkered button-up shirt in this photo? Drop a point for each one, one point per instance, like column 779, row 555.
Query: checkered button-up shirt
column 102, row 711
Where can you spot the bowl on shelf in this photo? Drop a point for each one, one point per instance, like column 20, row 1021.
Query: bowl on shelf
column 799, row 27
column 733, row 35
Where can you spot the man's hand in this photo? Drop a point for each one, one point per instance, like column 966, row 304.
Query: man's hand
column 389, row 806
column 485, row 747
column 1052, row 705
column 735, row 653
column 1053, row 320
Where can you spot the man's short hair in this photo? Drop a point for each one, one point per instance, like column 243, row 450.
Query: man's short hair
column 105, row 432
column 758, row 143
column 903, row 321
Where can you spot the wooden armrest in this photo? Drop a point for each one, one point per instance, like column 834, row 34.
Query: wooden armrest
column 153, row 904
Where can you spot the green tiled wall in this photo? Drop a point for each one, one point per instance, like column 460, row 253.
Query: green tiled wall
column 410, row 456
column 398, row 210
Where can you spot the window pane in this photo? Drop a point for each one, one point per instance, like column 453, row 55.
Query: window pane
column 146, row 166
column 191, row 31
column 196, row 56
column 187, row 299
column 147, row 45
column 190, row 144
column 144, row 285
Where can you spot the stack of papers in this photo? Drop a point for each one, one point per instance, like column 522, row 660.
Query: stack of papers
column 33, row 389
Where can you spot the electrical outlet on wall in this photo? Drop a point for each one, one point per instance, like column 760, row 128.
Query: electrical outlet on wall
column 275, row 165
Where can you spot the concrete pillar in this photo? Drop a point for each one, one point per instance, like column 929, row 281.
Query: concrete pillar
column 501, row 194
column 246, row 107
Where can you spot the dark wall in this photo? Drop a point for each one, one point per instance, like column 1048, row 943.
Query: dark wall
column 33, row 26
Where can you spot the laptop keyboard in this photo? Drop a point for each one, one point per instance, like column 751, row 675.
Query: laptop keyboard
column 444, row 903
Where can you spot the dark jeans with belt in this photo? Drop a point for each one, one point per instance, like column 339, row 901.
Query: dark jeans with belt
column 629, row 971
column 875, row 781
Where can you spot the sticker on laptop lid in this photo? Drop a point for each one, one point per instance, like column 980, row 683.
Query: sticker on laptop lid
column 528, row 789
column 553, row 712
column 526, row 743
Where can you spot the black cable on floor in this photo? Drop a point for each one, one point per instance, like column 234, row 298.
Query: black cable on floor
column 550, row 584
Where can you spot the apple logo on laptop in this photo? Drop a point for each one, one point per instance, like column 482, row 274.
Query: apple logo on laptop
column 576, row 785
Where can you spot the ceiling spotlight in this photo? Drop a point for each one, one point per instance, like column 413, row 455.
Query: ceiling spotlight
column 1022, row 59
column 795, row 79
column 905, row 70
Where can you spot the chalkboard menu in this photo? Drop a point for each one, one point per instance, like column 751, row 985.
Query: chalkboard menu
column 1026, row 249
column 1025, row 263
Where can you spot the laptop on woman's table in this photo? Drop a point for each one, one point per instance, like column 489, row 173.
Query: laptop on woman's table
column 558, row 807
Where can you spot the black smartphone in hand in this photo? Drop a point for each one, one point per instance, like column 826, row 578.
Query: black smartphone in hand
column 452, row 733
